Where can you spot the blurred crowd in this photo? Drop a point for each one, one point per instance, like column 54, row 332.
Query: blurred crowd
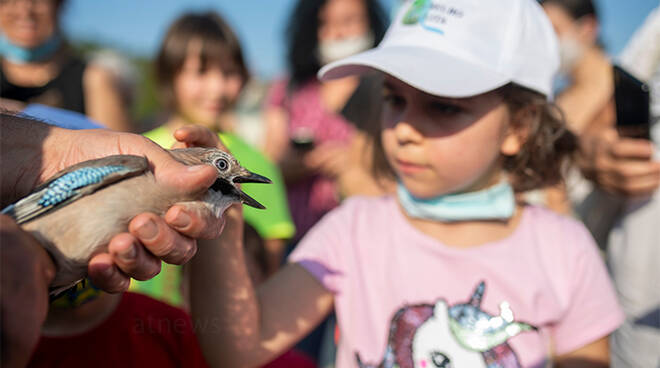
column 320, row 143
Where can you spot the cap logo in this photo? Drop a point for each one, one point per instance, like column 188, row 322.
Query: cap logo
column 431, row 15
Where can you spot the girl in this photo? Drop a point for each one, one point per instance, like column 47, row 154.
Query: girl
column 300, row 108
column 452, row 270
column 201, row 71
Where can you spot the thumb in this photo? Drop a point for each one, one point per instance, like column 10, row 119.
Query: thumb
column 182, row 178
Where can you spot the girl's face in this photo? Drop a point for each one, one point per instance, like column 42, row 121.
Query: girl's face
column 28, row 23
column 444, row 145
column 203, row 94
column 341, row 19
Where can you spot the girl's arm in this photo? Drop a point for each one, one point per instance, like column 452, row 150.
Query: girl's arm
column 594, row 355
column 103, row 100
column 238, row 326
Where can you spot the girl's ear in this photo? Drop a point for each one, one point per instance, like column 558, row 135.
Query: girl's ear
column 519, row 130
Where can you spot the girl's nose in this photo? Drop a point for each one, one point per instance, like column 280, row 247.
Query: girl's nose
column 406, row 133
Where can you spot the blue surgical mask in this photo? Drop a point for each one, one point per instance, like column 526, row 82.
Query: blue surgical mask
column 23, row 55
column 494, row 203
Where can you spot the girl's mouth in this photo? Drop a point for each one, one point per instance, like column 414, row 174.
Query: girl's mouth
column 406, row 167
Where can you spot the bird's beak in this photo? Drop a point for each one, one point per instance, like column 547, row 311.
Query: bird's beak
column 250, row 177
column 245, row 176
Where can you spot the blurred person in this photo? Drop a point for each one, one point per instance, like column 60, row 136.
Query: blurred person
column 625, row 208
column 30, row 153
column 585, row 70
column 453, row 269
column 300, row 108
column 38, row 66
column 201, row 72
column 123, row 72
column 584, row 87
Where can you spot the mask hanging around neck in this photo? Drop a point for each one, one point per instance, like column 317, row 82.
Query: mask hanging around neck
column 494, row 203
column 22, row 55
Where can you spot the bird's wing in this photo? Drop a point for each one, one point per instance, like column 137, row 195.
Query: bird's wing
column 74, row 182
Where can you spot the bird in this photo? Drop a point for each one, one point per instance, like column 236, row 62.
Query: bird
column 76, row 212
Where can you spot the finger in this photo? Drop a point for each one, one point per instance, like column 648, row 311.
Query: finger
column 195, row 135
column 169, row 172
column 132, row 259
column 194, row 221
column 633, row 170
column 627, row 148
column 637, row 186
column 185, row 179
column 161, row 240
column 105, row 275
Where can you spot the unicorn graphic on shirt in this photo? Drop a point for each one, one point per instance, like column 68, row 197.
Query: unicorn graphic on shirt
column 463, row 335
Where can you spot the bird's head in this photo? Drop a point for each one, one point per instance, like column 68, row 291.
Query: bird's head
column 230, row 172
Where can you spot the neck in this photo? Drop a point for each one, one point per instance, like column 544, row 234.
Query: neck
column 467, row 234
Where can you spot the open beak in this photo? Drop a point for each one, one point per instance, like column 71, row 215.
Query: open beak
column 228, row 188
column 250, row 177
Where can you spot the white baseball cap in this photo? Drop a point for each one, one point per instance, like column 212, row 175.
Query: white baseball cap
column 462, row 48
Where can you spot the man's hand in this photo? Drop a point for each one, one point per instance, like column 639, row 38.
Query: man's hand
column 619, row 165
column 26, row 271
column 170, row 238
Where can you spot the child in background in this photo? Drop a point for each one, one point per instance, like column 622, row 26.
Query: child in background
column 453, row 270
column 201, row 71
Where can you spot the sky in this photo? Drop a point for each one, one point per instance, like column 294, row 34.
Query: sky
column 137, row 27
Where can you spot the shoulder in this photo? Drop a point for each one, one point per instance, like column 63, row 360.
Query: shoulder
column 161, row 135
column 364, row 211
column 95, row 76
column 555, row 226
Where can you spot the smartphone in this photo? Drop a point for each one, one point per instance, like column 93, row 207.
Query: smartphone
column 302, row 144
column 632, row 100
column 302, row 138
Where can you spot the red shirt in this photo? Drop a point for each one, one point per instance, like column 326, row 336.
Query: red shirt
column 142, row 332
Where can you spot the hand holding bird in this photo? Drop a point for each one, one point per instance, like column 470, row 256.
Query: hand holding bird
column 78, row 211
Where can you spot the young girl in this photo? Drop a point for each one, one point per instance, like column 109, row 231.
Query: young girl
column 201, row 72
column 452, row 271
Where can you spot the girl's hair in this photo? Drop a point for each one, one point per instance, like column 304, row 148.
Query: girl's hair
column 302, row 36
column 547, row 148
column 218, row 44
column 575, row 8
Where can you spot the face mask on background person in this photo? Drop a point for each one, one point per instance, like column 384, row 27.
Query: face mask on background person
column 332, row 50
column 570, row 51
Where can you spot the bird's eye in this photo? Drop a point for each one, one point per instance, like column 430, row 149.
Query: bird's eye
column 222, row 164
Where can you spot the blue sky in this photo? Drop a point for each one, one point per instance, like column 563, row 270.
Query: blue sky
column 137, row 26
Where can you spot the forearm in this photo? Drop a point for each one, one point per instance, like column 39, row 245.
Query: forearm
column 223, row 300
column 238, row 326
column 23, row 149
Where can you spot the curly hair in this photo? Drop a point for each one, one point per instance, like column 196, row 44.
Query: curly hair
column 549, row 144
column 544, row 156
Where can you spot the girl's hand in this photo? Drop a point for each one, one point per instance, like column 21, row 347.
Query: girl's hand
column 197, row 136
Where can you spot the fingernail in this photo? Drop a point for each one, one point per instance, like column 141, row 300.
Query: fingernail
column 129, row 254
column 181, row 220
column 148, row 230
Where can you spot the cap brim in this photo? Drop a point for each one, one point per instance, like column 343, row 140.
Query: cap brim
column 428, row 70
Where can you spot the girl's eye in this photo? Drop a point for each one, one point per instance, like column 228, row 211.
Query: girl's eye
column 393, row 100
column 445, row 108
column 222, row 164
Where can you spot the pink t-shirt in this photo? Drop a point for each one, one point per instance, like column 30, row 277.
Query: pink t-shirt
column 313, row 197
column 403, row 297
